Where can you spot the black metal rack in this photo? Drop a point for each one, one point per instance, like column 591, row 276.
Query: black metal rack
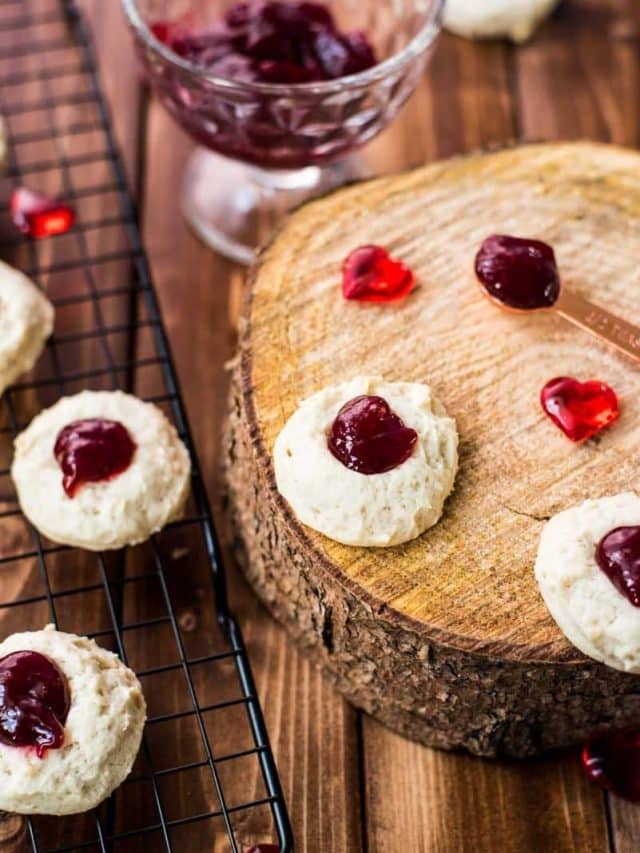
column 206, row 777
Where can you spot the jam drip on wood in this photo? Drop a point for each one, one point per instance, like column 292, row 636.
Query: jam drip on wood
column 612, row 761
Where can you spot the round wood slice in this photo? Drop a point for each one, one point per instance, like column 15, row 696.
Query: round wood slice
column 447, row 638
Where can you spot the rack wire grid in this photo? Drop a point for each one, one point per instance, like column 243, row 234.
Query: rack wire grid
column 205, row 778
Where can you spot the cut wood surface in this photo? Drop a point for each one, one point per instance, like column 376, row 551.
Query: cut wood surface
column 351, row 784
column 468, row 582
column 453, row 618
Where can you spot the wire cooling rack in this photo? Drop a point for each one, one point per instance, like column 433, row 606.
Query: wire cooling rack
column 205, row 778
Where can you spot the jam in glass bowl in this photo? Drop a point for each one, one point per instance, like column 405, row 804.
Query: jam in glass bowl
column 278, row 94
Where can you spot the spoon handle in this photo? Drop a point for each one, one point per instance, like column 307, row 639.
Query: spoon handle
column 618, row 333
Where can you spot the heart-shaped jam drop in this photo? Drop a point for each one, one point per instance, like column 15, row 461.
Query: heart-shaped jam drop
column 38, row 215
column 618, row 555
column 612, row 761
column 370, row 274
column 580, row 409
column 369, row 438
column 34, row 702
column 91, row 451
column 518, row 272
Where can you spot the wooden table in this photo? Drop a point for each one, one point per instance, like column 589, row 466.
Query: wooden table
column 351, row 784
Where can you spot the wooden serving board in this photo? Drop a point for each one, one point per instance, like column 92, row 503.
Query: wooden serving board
column 446, row 638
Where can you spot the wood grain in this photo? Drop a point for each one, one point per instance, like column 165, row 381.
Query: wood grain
column 443, row 803
column 463, row 103
column 122, row 81
column 591, row 47
column 625, row 824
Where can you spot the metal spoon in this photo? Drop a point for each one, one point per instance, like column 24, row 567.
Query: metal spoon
column 537, row 259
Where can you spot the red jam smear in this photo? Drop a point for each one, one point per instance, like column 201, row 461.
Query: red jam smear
column 166, row 31
column 38, row 215
column 618, row 555
column 272, row 42
column 518, row 272
column 369, row 438
column 580, row 409
column 34, row 702
column 370, row 274
column 91, row 451
column 612, row 761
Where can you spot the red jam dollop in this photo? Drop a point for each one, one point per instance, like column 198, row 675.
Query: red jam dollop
column 370, row 274
column 38, row 215
column 580, row 409
column 618, row 555
column 93, row 450
column 612, row 761
column 272, row 42
column 520, row 273
column 34, row 702
column 167, row 31
column 369, row 438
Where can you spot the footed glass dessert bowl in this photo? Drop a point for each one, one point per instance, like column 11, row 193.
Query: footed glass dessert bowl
column 278, row 95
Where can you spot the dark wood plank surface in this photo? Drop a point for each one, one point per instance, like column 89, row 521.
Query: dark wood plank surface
column 350, row 783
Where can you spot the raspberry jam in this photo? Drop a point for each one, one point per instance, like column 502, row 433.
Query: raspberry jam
column 580, row 409
column 369, row 438
column 519, row 273
column 90, row 451
column 38, row 215
column 618, row 555
column 370, row 274
column 34, row 702
column 264, row 848
column 272, row 42
column 612, row 761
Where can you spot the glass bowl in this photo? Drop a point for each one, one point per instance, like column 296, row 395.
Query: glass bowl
column 265, row 148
